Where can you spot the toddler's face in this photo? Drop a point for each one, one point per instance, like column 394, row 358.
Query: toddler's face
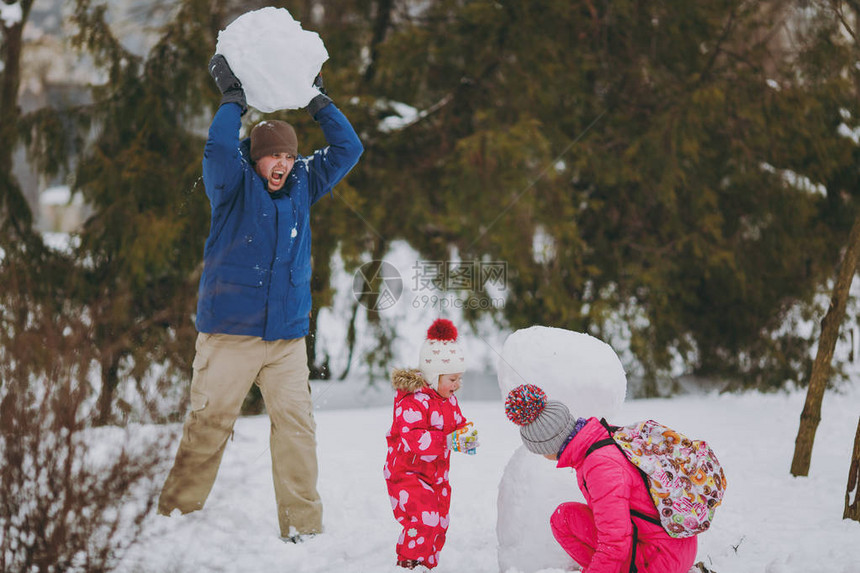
column 449, row 383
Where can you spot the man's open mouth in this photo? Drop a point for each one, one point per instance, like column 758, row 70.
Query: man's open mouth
column 277, row 176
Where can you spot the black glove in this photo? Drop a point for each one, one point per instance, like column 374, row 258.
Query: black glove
column 318, row 84
column 319, row 101
column 227, row 82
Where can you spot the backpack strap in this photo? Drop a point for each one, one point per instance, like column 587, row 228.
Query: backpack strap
column 633, row 513
column 633, row 568
column 609, row 441
column 609, row 428
column 606, row 441
column 599, row 444
column 647, row 518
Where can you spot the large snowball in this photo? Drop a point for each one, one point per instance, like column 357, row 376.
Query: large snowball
column 574, row 368
column 530, row 490
column 274, row 58
column 586, row 375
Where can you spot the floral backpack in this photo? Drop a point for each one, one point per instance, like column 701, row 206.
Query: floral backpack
column 683, row 476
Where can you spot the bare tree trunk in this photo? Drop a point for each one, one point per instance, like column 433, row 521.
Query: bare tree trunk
column 14, row 208
column 110, row 380
column 350, row 341
column 852, row 509
column 811, row 415
column 368, row 300
column 380, row 29
column 10, row 80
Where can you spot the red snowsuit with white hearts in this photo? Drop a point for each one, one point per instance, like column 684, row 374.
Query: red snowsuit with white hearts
column 416, row 470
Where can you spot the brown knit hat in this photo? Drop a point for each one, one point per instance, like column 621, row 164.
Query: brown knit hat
column 273, row 136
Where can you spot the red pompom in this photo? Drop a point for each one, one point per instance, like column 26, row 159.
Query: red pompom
column 442, row 329
column 524, row 404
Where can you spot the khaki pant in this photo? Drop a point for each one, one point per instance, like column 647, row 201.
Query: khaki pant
column 225, row 366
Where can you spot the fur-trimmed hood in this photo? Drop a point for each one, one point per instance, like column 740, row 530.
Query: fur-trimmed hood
column 408, row 379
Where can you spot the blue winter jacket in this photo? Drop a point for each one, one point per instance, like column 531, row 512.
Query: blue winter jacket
column 257, row 259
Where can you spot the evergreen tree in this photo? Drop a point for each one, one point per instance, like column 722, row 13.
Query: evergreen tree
column 16, row 215
column 653, row 166
column 31, row 274
column 141, row 249
column 642, row 145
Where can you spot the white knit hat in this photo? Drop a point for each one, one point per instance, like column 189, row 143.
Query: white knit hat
column 441, row 353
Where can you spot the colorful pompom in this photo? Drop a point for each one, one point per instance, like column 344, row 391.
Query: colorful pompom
column 524, row 403
column 442, row 329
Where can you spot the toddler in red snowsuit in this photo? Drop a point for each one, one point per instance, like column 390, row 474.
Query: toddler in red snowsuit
column 427, row 426
column 613, row 531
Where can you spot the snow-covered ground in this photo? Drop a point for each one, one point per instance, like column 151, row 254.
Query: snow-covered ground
column 770, row 522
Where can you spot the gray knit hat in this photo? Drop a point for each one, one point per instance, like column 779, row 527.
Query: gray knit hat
column 544, row 424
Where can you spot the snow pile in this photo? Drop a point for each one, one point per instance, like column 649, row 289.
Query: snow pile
column 586, row 375
column 769, row 521
column 10, row 14
column 274, row 58
column 529, row 491
column 574, row 368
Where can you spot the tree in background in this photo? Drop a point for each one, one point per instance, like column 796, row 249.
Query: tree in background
column 144, row 242
column 60, row 509
column 829, row 69
column 852, row 507
column 630, row 163
column 132, row 273
column 62, row 506
column 16, row 215
column 652, row 167
column 26, row 265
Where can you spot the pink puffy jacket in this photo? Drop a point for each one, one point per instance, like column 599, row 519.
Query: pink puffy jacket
column 612, row 486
